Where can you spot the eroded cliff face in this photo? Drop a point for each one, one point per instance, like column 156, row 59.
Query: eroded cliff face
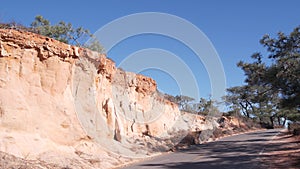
column 72, row 107
column 64, row 106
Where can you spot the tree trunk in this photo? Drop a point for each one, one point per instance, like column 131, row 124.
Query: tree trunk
column 272, row 121
column 278, row 118
column 284, row 121
column 244, row 110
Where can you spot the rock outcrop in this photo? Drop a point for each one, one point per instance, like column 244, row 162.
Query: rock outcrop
column 65, row 106
column 61, row 103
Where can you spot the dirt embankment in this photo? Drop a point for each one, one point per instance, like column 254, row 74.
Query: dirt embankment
column 283, row 152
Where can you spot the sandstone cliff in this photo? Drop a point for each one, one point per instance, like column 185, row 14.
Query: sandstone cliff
column 72, row 107
column 65, row 106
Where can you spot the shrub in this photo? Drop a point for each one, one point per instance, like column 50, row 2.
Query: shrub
column 64, row 32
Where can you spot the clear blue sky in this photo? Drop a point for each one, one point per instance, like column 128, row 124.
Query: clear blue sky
column 233, row 26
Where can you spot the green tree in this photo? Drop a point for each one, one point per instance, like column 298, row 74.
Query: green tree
column 65, row 32
column 207, row 107
column 255, row 99
column 203, row 107
column 239, row 99
column 185, row 103
column 272, row 89
column 94, row 45
column 284, row 72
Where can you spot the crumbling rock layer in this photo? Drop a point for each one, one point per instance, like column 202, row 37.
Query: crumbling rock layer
column 60, row 104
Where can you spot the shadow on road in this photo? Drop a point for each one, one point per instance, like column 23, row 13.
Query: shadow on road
column 242, row 151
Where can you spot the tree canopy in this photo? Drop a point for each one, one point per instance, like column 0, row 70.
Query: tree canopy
column 272, row 86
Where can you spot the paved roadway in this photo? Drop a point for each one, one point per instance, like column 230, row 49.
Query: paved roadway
column 234, row 152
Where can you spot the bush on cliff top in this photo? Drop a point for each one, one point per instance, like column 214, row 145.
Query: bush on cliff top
column 64, row 32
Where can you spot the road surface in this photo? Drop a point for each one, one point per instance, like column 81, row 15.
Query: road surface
column 234, row 152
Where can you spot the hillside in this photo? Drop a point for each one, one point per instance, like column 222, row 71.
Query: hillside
column 65, row 106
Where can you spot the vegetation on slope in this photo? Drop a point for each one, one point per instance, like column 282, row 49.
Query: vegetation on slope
column 271, row 93
column 64, row 32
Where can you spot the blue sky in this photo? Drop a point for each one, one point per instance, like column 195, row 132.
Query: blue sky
column 234, row 28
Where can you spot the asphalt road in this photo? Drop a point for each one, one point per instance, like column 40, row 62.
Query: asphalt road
column 234, row 152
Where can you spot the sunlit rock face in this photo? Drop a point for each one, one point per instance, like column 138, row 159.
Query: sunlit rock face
column 61, row 103
column 65, row 106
